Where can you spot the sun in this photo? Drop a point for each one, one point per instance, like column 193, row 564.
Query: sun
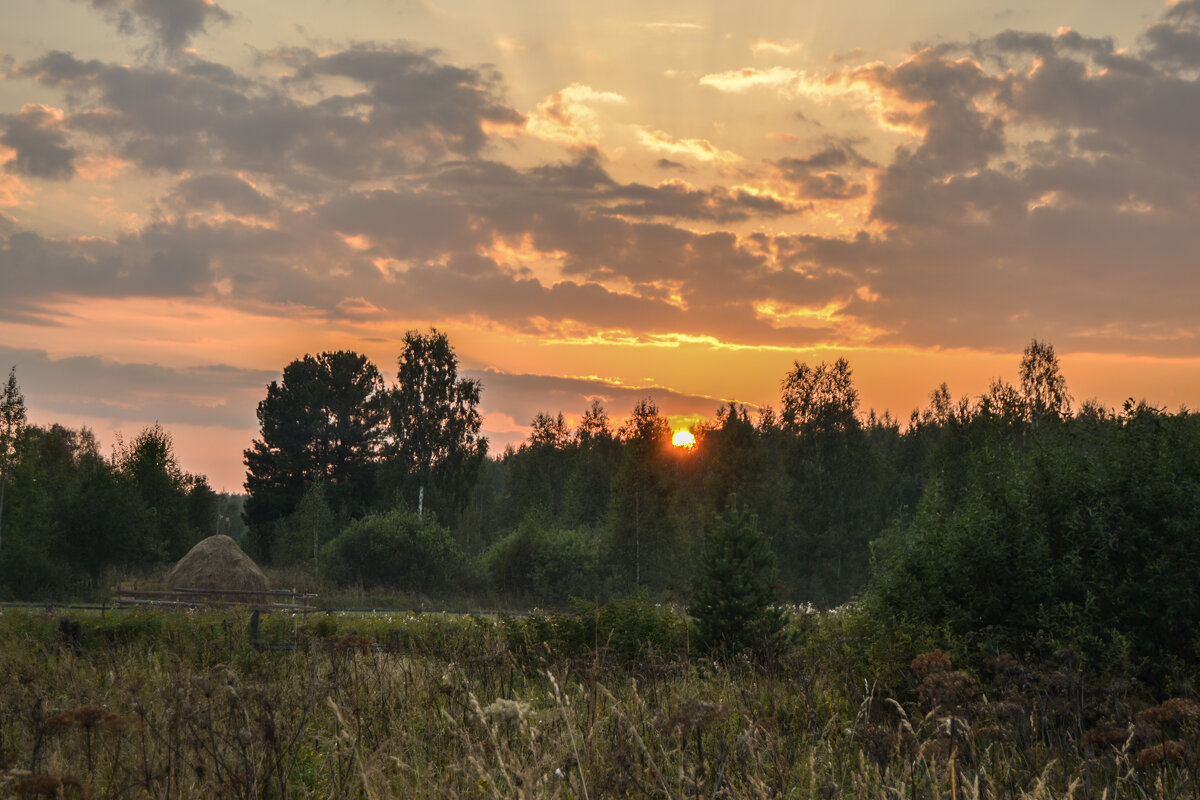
column 683, row 439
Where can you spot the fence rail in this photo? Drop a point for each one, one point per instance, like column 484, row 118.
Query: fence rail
column 185, row 597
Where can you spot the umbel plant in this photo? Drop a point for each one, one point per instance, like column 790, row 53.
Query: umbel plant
column 735, row 604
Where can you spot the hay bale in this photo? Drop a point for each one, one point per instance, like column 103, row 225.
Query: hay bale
column 217, row 563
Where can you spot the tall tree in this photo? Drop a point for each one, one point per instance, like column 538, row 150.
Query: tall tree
column 594, row 426
column 150, row 462
column 836, row 498
column 548, row 431
column 596, row 456
column 820, row 399
column 12, row 428
column 324, row 422
column 1043, row 387
column 540, row 469
column 435, row 423
column 736, row 458
column 644, row 545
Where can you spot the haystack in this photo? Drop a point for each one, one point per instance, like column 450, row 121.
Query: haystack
column 217, row 563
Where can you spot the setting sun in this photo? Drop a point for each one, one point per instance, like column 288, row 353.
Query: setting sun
column 683, row 439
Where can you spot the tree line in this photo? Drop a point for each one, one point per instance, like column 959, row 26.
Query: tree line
column 68, row 513
column 1001, row 518
column 601, row 510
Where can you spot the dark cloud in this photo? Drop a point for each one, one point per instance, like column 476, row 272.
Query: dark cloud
column 583, row 173
column 408, row 90
column 172, row 23
column 40, row 143
column 413, row 111
column 223, row 191
column 153, row 263
column 1044, row 45
column 679, row 201
column 90, row 386
column 1175, row 40
column 1056, row 196
column 819, row 176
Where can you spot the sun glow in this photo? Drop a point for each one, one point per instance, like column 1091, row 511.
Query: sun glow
column 683, row 439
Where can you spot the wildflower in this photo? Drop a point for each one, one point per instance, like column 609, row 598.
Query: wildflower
column 502, row 710
column 1159, row 754
column 1176, row 711
column 928, row 663
column 1100, row 737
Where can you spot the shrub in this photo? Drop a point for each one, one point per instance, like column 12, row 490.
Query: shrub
column 1082, row 534
column 547, row 565
column 400, row 549
column 736, row 601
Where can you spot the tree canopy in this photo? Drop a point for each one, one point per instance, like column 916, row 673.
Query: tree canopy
column 436, row 445
column 323, row 423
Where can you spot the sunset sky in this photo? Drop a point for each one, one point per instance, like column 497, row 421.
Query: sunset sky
column 611, row 200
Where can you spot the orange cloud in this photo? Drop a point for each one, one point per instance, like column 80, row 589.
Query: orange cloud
column 521, row 255
column 699, row 149
column 12, row 189
column 358, row 306
column 101, row 167
column 567, row 117
column 772, row 47
column 357, row 242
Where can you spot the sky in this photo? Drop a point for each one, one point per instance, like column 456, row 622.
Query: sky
column 658, row 198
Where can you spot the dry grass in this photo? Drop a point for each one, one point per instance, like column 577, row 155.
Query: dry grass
column 343, row 718
column 217, row 563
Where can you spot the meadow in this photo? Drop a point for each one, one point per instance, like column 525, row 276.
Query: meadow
column 603, row 701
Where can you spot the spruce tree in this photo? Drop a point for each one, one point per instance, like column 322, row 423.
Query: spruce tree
column 735, row 603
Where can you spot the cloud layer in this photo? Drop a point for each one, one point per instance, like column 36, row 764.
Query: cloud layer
column 1040, row 182
column 964, row 195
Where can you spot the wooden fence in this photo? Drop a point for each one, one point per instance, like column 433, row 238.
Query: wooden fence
column 265, row 600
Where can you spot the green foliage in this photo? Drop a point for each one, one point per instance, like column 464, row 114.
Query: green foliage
column 435, row 423
column 399, row 549
column 839, row 498
column 1043, row 386
column 736, row 456
column 300, row 536
column 645, row 547
column 626, row 628
column 1083, row 531
column 324, row 423
column 547, row 565
column 819, row 399
column 735, row 604
column 12, row 429
column 71, row 514
column 149, row 461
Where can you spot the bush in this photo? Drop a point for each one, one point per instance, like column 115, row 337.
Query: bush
column 397, row 549
column 548, row 566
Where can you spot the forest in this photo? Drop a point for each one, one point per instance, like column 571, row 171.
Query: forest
column 1006, row 517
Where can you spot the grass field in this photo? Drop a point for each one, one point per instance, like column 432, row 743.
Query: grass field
column 601, row 704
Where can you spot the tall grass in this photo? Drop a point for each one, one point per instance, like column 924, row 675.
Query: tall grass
column 172, row 705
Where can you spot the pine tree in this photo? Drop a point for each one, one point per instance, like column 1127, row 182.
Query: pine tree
column 12, row 428
column 735, row 604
